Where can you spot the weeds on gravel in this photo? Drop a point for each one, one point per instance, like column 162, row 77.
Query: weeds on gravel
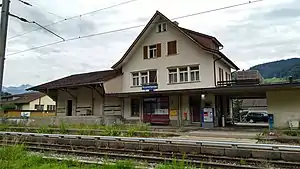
column 175, row 165
column 16, row 157
column 138, row 130
column 44, row 129
column 63, row 128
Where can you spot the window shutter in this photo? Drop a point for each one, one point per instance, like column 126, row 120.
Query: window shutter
column 158, row 50
column 169, row 48
column 145, row 52
column 172, row 47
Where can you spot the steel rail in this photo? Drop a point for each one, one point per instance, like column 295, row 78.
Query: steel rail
column 152, row 159
column 200, row 157
column 223, row 144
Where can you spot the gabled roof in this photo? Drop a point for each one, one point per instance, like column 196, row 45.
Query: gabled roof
column 202, row 40
column 22, row 98
column 78, row 79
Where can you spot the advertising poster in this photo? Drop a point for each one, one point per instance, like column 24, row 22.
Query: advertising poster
column 208, row 115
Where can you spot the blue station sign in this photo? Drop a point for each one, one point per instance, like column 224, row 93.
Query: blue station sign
column 149, row 87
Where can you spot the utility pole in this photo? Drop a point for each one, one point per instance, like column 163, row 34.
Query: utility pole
column 3, row 35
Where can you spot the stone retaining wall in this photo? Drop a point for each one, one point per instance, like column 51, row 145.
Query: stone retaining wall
column 43, row 121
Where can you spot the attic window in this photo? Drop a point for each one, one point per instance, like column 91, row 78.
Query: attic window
column 161, row 27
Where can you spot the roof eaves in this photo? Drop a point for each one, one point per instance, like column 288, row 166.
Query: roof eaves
column 63, row 86
column 135, row 41
column 207, row 49
column 228, row 60
column 204, row 35
column 98, row 80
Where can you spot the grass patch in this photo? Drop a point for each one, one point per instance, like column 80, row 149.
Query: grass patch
column 137, row 130
column 16, row 157
column 295, row 133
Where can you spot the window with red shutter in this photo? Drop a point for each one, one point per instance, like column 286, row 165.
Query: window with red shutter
column 172, row 47
column 158, row 46
column 145, row 52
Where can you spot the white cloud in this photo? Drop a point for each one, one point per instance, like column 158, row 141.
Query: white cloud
column 251, row 34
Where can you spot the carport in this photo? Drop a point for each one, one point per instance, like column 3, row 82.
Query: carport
column 282, row 100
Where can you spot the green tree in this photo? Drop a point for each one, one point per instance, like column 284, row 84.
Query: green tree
column 237, row 107
column 6, row 107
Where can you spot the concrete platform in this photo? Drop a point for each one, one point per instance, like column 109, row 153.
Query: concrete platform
column 222, row 134
column 224, row 139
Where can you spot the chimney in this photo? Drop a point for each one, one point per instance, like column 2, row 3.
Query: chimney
column 176, row 23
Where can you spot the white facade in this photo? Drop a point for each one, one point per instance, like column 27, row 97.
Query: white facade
column 168, row 49
column 44, row 100
column 189, row 54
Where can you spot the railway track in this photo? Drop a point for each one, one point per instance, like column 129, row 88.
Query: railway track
column 160, row 150
column 156, row 157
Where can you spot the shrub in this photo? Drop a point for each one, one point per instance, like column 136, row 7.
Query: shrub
column 292, row 133
column 44, row 129
column 63, row 127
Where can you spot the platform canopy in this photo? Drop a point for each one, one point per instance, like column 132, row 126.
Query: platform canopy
column 235, row 91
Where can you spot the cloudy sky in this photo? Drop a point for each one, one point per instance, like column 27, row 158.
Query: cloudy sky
column 252, row 34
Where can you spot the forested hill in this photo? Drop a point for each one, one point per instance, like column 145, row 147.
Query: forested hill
column 280, row 69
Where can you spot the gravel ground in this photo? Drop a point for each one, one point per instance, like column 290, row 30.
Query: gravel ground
column 91, row 160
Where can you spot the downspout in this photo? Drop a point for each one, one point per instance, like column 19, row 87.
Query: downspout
column 103, row 104
column 93, row 101
column 56, row 102
column 215, row 78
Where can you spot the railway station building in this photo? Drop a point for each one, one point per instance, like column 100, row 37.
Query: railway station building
column 169, row 75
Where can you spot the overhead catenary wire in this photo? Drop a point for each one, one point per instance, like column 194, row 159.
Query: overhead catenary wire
column 132, row 27
column 25, row 20
column 73, row 17
column 39, row 8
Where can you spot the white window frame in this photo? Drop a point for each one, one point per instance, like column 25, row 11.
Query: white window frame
column 136, row 78
column 162, row 27
column 141, row 78
column 144, row 77
column 185, row 74
column 173, row 74
column 197, row 77
column 154, row 50
column 50, row 107
column 221, row 74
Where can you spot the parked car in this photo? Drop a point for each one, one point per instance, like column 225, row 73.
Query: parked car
column 253, row 117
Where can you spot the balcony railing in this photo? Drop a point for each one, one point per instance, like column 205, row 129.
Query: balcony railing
column 238, row 82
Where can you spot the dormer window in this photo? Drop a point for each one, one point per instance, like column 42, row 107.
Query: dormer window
column 161, row 27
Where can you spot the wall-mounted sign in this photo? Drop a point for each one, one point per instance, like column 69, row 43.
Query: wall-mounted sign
column 173, row 113
column 161, row 111
column 150, row 87
column 25, row 114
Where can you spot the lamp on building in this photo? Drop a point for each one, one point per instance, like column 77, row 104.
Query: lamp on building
column 203, row 96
